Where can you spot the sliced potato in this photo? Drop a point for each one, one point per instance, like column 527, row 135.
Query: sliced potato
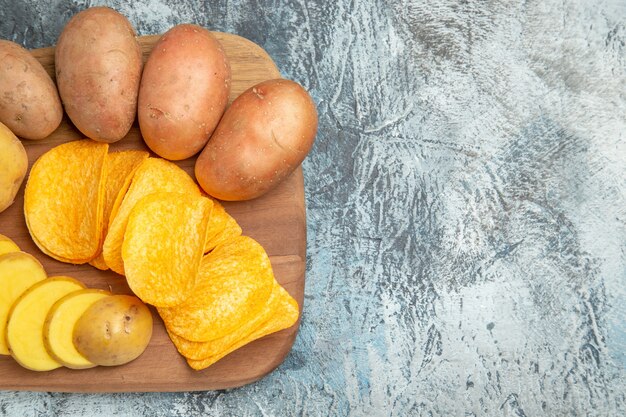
column 24, row 333
column 18, row 271
column 58, row 329
column 114, row 330
column 7, row 245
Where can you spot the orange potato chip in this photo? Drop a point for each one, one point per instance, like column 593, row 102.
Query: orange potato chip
column 163, row 246
column 221, row 227
column 285, row 316
column 234, row 283
column 202, row 350
column 153, row 175
column 120, row 169
column 63, row 200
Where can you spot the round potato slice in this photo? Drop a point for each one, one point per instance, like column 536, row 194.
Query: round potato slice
column 18, row 271
column 163, row 246
column 7, row 245
column 63, row 200
column 233, row 285
column 24, row 333
column 58, row 329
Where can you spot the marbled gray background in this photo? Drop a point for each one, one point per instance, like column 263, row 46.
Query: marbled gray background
column 466, row 206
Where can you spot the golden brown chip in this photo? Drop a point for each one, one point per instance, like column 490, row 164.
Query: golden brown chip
column 202, row 350
column 63, row 200
column 221, row 227
column 284, row 316
column 153, row 175
column 163, row 246
column 234, row 283
column 120, row 169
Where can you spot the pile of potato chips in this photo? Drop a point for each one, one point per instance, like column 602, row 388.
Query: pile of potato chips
column 180, row 251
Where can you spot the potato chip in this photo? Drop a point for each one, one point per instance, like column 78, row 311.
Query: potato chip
column 63, row 200
column 202, row 350
column 234, row 283
column 153, row 175
column 163, row 246
column 222, row 227
column 284, row 317
column 120, row 169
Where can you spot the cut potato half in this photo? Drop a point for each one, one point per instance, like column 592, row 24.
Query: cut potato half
column 24, row 332
column 58, row 328
column 18, row 271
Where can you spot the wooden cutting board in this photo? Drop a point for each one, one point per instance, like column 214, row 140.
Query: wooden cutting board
column 276, row 220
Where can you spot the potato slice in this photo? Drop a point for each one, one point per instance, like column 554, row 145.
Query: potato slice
column 63, row 200
column 7, row 245
column 18, row 271
column 121, row 167
column 114, row 330
column 284, row 317
column 24, row 333
column 153, row 175
column 58, row 329
column 234, row 283
column 163, row 246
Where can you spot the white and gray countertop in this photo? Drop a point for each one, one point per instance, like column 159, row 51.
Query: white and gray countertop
column 466, row 202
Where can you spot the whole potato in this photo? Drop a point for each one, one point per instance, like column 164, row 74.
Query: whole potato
column 114, row 330
column 263, row 136
column 98, row 69
column 13, row 166
column 29, row 102
column 184, row 91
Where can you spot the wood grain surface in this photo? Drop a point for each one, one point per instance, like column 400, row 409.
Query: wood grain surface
column 276, row 220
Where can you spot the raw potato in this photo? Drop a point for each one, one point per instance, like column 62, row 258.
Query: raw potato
column 7, row 246
column 98, row 70
column 18, row 272
column 114, row 330
column 58, row 329
column 184, row 91
column 263, row 136
column 29, row 102
column 24, row 331
column 13, row 166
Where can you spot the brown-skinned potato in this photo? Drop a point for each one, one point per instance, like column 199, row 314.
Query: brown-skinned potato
column 262, row 138
column 184, row 91
column 98, row 70
column 29, row 102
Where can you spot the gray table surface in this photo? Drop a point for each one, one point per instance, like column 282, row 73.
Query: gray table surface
column 466, row 206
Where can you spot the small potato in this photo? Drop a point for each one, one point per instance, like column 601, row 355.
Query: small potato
column 29, row 102
column 98, row 69
column 184, row 91
column 263, row 136
column 13, row 166
column 114, row 330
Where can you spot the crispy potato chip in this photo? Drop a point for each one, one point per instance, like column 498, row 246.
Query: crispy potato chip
column 120, row 169
column 222, row 227
column 234, row 283
column 202, row 350
column 63, row 200
column 163, row 246
column 284, row 317
column 153, row 175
